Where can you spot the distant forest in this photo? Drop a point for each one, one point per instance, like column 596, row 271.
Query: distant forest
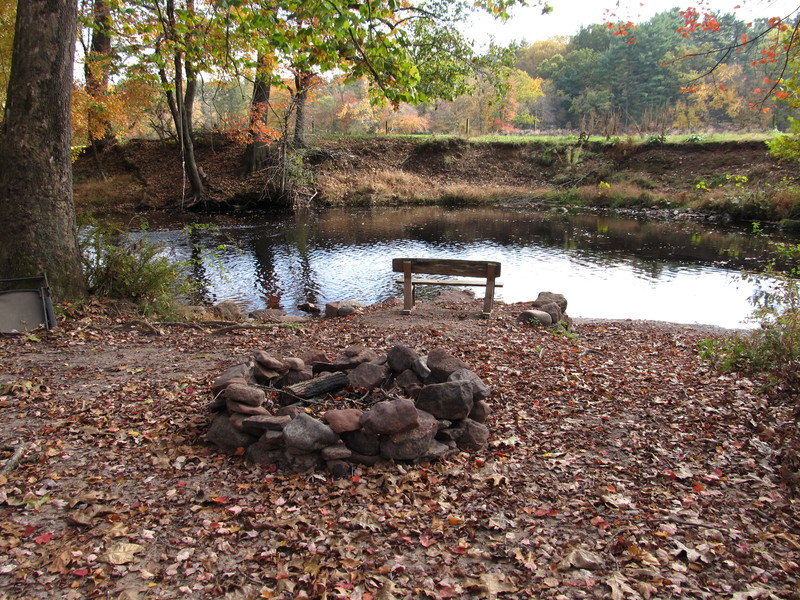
column 647, row 80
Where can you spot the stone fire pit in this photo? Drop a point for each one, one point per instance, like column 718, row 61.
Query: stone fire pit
column 307, row 412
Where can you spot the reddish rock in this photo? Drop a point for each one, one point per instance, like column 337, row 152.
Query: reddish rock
column 343, row 419
column 265, row 422
column 442, row 364
column 390, row 416
column 268, row 361
column 244, row 394
column 480, row 411
column 246, row 409
column 367, row 376
column 235, row 374
column 414, row 443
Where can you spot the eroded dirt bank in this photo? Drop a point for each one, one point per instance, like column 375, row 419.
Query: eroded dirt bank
column 146, row 175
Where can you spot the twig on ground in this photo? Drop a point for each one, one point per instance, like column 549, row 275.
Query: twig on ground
column 12, row 462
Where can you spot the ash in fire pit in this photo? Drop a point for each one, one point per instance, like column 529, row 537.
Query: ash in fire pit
column 306, row 412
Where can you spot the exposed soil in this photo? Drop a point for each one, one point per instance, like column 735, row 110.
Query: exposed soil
column 619, row 466
column 147, row 175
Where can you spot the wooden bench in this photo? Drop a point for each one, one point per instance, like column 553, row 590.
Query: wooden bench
column 485, row 269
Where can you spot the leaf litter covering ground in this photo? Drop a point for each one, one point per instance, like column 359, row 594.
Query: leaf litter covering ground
column 619, row 466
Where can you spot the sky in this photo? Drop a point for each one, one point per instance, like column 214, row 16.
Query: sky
column 529, row 24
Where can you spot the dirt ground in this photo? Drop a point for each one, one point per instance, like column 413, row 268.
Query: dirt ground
column 619, row 465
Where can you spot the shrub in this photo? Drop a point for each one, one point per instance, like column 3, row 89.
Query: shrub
column 772, row 350
column 121, row 266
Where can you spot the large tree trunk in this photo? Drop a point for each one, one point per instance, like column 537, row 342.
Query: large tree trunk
column 39, row 234
column 256, row 152
column 97, row 69
column 302, row 83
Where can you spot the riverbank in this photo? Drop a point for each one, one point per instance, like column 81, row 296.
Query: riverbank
column 730, row 180
column 618, row 464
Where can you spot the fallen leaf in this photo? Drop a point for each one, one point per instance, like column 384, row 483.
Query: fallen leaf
column 121, row 553
column 581, row 559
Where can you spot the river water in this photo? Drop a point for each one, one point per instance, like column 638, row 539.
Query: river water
column 607, row 267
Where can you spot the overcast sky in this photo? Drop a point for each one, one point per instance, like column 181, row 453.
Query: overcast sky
column 569, row 15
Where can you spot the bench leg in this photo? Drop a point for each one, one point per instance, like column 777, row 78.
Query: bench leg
column 409, row 291
column 488, row 299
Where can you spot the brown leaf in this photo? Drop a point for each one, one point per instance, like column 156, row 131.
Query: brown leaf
column 121, row 553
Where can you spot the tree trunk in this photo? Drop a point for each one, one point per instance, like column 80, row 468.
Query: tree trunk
column 301, row 80
column 39, row 234
column 256, row 152
column 177, row 100
column 97, row 71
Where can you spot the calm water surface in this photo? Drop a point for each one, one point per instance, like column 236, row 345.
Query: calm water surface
column 606, row 267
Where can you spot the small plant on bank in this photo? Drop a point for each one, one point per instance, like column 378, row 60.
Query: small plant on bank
column 124, row 267
column 772, row 350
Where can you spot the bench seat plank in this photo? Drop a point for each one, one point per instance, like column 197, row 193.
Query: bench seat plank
column 460, row 282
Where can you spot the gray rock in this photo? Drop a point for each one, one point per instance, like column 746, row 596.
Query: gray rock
column 552, row 309
column 452, row 433
column 227, row 311
column 451, row 400
column 263, row 375
column 480, row 411
column 349, row 307
column 302, row 463
column 442, row 364
column 547, row 297
column 437, row 451
column 408, row 382
column 537, row 318
column 401, row 358
column 258, row 454
column 474, row 437
column 367, row 376
column 292, row 377
column 307, row 434
column 354, row 356
column 244, row 394
column 390, row 416
column 362, row 443
column 337, row 452
column 266, row 315
column 309, row 308
column 224, row 435
column 343, row 419
column 479, row 389
column 344, row 308
column 272, row 440
column 414, row 443
column 365, row 459
column 238, row 422
column 339, row 468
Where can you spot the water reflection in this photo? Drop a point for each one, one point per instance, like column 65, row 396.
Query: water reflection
column 607, row 267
